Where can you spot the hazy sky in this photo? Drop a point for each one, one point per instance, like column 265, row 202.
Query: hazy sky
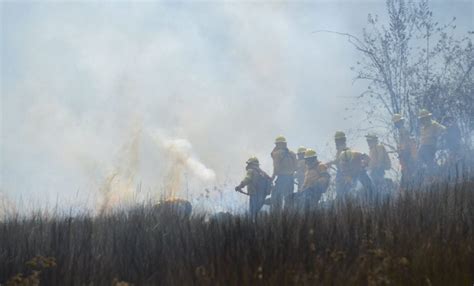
column 81, row 80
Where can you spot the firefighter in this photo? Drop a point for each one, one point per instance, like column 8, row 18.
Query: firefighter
column 352, row 168
column 379, row 161
column 284, row 167
column 258, row 185
column 452, row 139
column 315, row 183
column 429, row 133
column 406, row 150
column 317, row 178
column 340, row 141
column 300, row 167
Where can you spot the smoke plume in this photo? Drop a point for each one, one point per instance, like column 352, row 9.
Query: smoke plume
column 104, row 103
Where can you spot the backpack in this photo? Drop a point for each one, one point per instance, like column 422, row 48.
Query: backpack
column 264, row 182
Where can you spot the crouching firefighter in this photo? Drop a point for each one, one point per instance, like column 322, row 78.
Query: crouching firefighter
column 258, row 185
column 316, row 182
column 353, row 166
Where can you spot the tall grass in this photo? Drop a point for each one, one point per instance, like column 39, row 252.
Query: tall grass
column 425, row 237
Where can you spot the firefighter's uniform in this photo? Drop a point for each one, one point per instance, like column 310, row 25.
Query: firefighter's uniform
column 406, row 150
column 340, row 140
column 315, row 184
column 430, row 131
column 379, row 161
column 255, row 190
column 300, row 168
column 284, row 167
column 352, row 166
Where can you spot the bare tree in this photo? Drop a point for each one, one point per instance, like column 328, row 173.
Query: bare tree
column 413, row 62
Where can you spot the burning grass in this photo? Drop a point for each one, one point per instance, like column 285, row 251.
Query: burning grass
column 423, row 238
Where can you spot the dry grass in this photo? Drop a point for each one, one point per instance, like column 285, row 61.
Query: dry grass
column 423, row 238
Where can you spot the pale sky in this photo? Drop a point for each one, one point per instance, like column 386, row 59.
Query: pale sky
column 78, row 79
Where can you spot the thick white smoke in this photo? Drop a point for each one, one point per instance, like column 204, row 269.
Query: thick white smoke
column 181, row 151
column 181, row 161
column 179, row 166
column 86, row 86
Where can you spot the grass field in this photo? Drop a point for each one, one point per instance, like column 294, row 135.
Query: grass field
column 421, row 238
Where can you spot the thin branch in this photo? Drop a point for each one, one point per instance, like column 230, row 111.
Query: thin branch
column 350, row 36
column 464, row 77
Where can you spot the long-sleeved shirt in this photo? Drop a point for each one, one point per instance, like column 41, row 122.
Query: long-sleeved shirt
column 404, row 139
column 353, row 167
column 316, row 175
column 379, row 159
column 300, row 173
column 284, row 161
column 430, row 133
column 406, row 148
column 252, row 180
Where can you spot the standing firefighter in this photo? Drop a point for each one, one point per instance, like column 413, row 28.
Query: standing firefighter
column 284, row 167
column 300, row 168
column 258, row 185
column 406, row 149
column 351, row 167
column 429, row 133
column 379, row 161
column 452, row 139
column 340, row 141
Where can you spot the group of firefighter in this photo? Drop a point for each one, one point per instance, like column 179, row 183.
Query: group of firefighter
column 312, row 177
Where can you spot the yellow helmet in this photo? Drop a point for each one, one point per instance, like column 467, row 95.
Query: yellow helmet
column 371, row 137
column 346, row 156
column 397, row 118
column 280, row 139
column 310, row 153
column 301, row 150
column 252, row 160
column 339, row 135
column 423, row 114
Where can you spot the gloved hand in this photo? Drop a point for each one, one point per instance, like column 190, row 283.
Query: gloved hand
column 238, row 188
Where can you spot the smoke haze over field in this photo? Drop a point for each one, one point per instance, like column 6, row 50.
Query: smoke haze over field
column 101, row 99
